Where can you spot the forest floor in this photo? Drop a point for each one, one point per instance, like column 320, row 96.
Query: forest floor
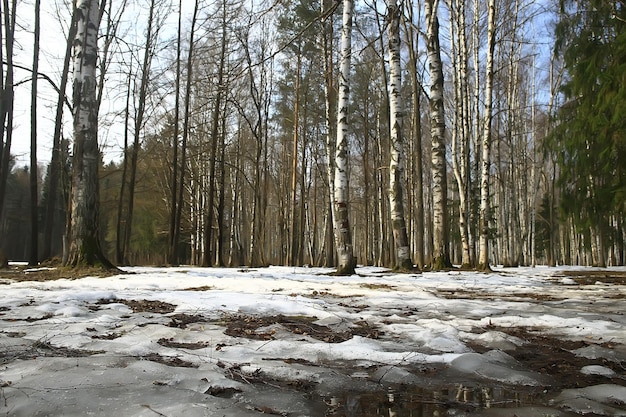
column 297, row 342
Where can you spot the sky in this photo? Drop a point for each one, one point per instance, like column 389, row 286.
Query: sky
column 80, row 347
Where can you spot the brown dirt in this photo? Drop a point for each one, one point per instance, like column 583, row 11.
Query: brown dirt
column 142, row 306
column 54, row 272
column 590, row 277
column 553, row 357
column 248, row 327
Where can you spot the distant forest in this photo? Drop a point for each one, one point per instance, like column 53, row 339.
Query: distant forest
column 448, row 132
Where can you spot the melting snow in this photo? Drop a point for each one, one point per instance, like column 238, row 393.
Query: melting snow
column 73, row 347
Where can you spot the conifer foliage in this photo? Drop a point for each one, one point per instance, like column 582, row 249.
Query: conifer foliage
column 591, row 126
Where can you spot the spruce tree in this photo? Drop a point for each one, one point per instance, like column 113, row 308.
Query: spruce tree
column 590, row 135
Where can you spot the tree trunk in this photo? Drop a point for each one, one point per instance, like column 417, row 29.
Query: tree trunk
column 183, row 150
column 83, row 233
column 34, row 177
column 441, row 257
column 174, row 224
column 7, row 99
column 483, row 260
column 460, row 132
column 208, row 227
column 329, row 99
column 416, row 133
column 396, row 165
column 343, row 233
column 294, row 239
column 121, row 218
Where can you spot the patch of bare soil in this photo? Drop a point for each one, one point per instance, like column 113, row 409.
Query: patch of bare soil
column 144, row 306
column 468, row 294
column 590, row 277
column 43, row 348
column 168, row 361
column 54, row 271
column 171, row 343
column 248, row 327
column 30, row 319
column 182, row 320
column 202, row 288
column 553, row 357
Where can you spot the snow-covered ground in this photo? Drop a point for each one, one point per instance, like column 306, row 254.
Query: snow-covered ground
column 153, row 343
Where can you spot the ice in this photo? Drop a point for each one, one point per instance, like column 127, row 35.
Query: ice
column 598, row 370
column 495, row 366
column 598, row 399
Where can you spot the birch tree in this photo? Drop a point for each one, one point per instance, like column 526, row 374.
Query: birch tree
column 83, row 229
column 441, row 257
column 396, row 164
column 483, row 257
column 412, row 36
column 343, row 235
column 461, row 123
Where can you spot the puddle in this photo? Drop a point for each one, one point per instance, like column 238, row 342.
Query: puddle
column 412, row 401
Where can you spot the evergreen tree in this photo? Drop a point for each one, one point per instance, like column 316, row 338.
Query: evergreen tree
column 590, row 136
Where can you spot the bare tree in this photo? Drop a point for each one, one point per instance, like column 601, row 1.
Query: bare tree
column 83, row 229
column 343, row 234
column 174, row 222
column 396, row 164
column 7, row 99
column 416, row 136
column 441, row 257
column 34, row 172
column 483, row 260
column 215, row 125
column 461, row 123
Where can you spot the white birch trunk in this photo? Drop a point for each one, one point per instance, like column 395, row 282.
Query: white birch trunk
column 483, row 259
column 83, row 233
column 396, row 164
column 343, row 236
column 460, row 133
column 441, row 257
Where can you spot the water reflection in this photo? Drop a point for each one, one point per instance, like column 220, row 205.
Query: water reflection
column 411, row 401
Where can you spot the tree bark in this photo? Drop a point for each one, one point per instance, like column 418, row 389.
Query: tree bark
column 483, row 260
column 34, row 176
column 329, row 99
column 441, row 257
column 83, row 233
column 460, row 131
column 7, row 99
column 396, row 164
column 416, row 133
column 208, row 231
column 343, row 233
column 174, row 224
